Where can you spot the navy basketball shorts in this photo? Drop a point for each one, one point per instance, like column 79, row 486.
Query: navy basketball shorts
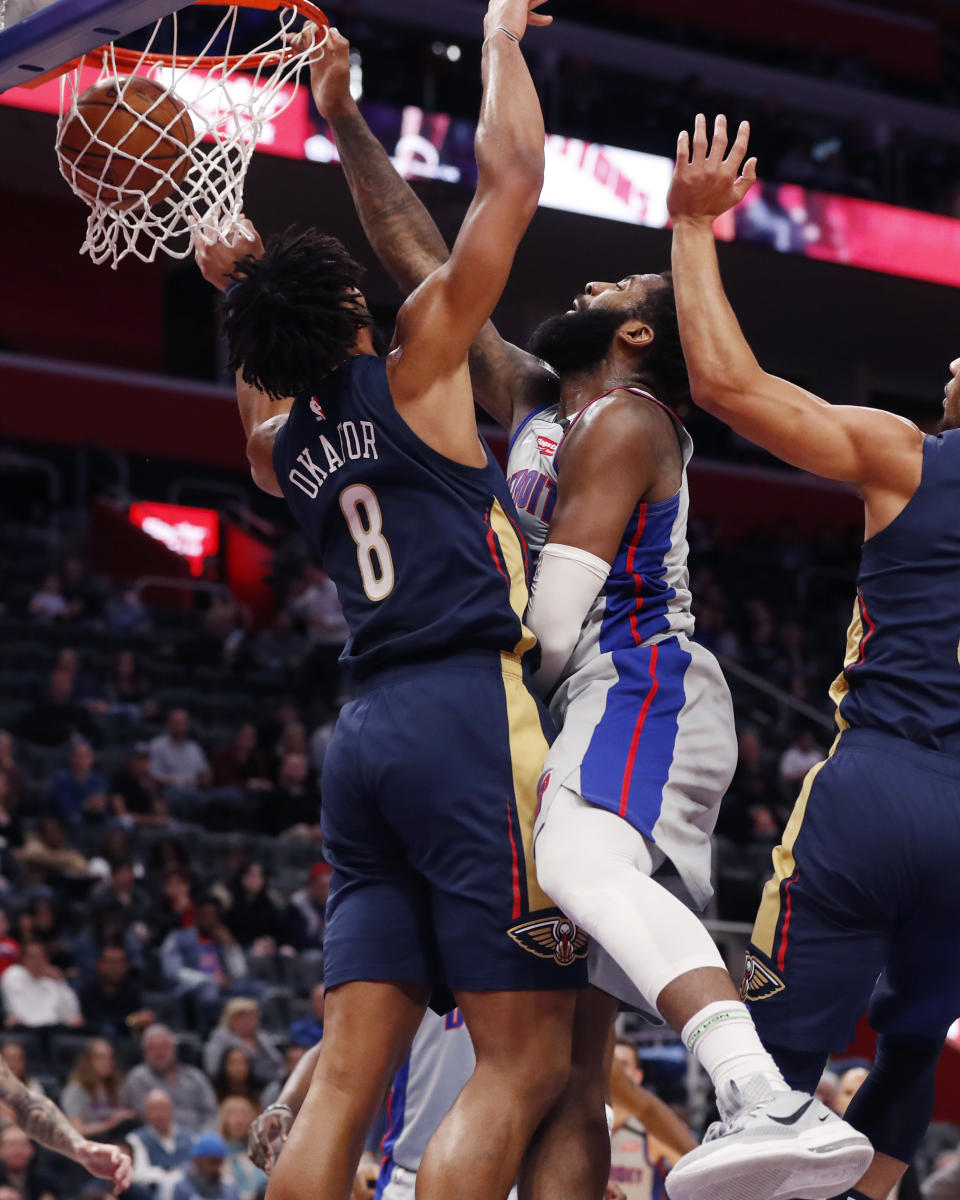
column 863, row 908
column 429, row 798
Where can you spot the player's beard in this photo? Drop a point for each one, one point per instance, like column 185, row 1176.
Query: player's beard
column 575, row 341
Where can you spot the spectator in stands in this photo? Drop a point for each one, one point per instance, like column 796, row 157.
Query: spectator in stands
column 240, row 762
column 124, row 897
column 74, row 787
column 161, row 1149
column 82, row 589
column 306, row 910
column 204, row 1175
column 20, row 1174
column 14, row 1054
column 284, row 711
column 802, row 754
column 254, row 916
column 204, row 963
column 233, row 1124
column 18, row 786
column 320, row 739
column 292, row 809
column 112, row 1003
column 58, row 717
column 293, row 1051
column 175, row 907
column 281, row 650
column 309, row 1030
column 9, row 946
column 194, row 1104
column 47, row 853
column 235, row 1076
column 91, row 1098
column 126, row 686
column 35, row 994
column 124, row 611
column 240, row 1027
column 135, row 794
column 87, row 685
column 43, row 921
column 314, row 601
column 175, row 758
column 48, row 603
column 11, row 829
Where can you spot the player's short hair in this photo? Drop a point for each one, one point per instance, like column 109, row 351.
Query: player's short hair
column 292, row 316
column 664, row 359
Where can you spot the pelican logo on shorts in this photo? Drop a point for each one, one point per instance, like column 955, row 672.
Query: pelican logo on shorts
column 546, row 445
column 759, row 982
column 553, row 937
column 316, row 409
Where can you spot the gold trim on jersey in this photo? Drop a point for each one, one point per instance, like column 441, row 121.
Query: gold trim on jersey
column 840, row 687
column 784, row 864
column 528, row 749
column 512, row 551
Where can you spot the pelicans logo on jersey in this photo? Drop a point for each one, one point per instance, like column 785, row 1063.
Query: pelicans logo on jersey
column 759, row 982
column 553, row 937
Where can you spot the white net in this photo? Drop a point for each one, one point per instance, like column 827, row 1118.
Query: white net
column 155, row 160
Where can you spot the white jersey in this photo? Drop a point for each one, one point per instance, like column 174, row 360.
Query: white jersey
column 645, row 717
column 647, row 594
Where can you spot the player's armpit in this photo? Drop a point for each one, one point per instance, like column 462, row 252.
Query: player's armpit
column 260, row 454
column 508, row 383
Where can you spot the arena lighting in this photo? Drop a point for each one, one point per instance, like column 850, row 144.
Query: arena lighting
column 193, row 533
column 621, row 185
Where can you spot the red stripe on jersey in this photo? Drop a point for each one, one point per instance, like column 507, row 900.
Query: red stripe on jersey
column 785, row 934
column 494, row 547
column 638, row 730
column 517, row 900
column 637, row 579
column 866, row 621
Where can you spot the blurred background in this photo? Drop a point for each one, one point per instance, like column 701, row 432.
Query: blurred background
column 151, row 599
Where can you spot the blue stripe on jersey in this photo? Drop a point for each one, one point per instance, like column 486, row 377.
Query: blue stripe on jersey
column 396, row 1109
column 637, row 596
column 631, row 751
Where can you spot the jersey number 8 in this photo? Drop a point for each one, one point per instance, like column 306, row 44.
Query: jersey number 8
column 360, row 507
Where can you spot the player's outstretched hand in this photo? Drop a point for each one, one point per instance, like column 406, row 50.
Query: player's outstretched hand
column 267, row 1134
column 107, row 1162
column 707, row 184
column 329, row 70
column 217, row 258
column 515, row 15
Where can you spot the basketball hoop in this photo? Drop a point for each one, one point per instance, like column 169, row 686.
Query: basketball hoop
column 229, row 96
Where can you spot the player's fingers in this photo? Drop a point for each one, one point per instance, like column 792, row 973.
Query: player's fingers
column 683, row 148
column 540, row 19
column 700, row 138
column 747, row 179
column 739, row 147
column 719, row 144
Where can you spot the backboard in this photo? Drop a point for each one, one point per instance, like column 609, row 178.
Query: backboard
column 62, row 30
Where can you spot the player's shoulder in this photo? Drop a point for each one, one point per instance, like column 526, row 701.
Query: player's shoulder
column 622, row 420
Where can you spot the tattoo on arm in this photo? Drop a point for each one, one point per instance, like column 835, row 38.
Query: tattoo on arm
column 39, row 1117
column 399, row 228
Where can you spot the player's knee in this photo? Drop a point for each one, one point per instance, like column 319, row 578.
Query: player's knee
column 567, row 874
column 895, row 1103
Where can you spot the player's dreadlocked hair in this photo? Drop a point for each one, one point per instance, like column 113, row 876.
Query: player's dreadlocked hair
column 664, row 359
column 291, row 316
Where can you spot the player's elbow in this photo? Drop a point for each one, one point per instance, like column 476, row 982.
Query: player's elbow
column 721, row 388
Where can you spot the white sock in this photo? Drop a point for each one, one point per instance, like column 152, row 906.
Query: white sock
column 724, row 1041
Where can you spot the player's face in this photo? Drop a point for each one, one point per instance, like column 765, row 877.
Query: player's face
column 951, row 398
column 626, row 294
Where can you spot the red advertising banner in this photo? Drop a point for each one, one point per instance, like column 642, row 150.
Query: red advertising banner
column 193, row 533
column 618, row 184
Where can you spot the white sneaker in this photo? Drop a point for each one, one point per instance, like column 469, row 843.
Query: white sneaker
column 772, row 1146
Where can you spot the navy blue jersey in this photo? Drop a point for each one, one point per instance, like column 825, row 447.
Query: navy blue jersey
column 426, row 553
column 902, row 668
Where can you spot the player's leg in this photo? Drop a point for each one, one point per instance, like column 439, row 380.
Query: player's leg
column 368, row 1028
column 569, row 1156
column 523, row 1045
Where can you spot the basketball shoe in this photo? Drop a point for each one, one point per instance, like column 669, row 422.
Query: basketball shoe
column 771, row 1146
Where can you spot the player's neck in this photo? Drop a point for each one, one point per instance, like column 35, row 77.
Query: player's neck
column 578, row 388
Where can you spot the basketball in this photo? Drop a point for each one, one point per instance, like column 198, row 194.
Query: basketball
column 127, row 140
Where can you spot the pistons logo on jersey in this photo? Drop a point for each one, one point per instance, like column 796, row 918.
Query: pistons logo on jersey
column 759, row 982
column 551, row 937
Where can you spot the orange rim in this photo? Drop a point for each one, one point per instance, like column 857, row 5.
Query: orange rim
column 131, row 59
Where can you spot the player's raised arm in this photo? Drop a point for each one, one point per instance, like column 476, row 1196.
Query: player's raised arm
column 439, row 321
column 507, row 381
column 877, row 451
